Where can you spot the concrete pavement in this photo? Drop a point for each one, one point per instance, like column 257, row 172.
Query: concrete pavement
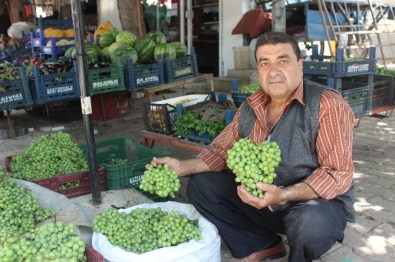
column 370, row 238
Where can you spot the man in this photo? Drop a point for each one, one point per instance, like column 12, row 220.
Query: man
column 311, row 198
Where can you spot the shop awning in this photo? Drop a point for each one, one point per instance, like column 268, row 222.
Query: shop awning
column 253, row 23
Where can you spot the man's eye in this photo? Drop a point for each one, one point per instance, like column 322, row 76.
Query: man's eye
column 283, row 62
column 264, row 65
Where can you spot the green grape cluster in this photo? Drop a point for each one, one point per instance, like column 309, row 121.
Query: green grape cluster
column 116, row 161
column 51, row 242
column 146, row 229
column 253, row 163
column 160, row 180
column 19, row 210
column 49, row 156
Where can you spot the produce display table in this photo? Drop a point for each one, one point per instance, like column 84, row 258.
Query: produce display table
column 148, row 139
column 149, row 92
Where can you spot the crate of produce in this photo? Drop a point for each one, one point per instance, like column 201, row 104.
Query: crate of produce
column 14, row 88
column 42, row 23
column 120, row 156
column 106, row 79
column 181, row 68
column 354, row 67
column 160, row 116
column 319, row 68
column 70, row 185
column 110, row 105
column 139, row 76
column 238, row 98
column 339, row 66
column 53, row 82
column 54, row 46
column 383, row 89
column 358, row 95
column 208, row 119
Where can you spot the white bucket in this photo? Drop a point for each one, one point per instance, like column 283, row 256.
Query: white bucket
column 241, row 57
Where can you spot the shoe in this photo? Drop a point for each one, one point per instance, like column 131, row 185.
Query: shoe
column 278, row 251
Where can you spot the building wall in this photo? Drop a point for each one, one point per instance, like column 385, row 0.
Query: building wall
column 230, row 15
column 108, row 11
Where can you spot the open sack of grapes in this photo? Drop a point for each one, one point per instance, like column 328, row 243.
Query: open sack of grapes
column 162, row 231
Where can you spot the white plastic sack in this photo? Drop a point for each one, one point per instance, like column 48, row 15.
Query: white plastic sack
column 206, row 250
column 20, row 29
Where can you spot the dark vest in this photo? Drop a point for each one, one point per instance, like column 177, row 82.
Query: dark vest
column 296, row 134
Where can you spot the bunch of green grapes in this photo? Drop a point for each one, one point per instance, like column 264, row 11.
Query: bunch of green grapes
column 49, row 156
column 160, row 180
column 19, row 210
column 253, row 163
column 50, row 242
column 146, row 229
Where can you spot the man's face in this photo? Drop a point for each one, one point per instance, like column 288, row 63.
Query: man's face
column 279, row 71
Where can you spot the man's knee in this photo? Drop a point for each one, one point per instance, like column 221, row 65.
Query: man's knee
column 314, row 229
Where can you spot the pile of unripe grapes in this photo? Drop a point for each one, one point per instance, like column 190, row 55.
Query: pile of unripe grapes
column 50, row 242
column 253, row 163
column 49, row 156
column 146, row 229
column 19, row 210
column 160, row 180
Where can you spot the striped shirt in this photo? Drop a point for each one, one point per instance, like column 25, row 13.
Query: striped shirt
column 333, row 144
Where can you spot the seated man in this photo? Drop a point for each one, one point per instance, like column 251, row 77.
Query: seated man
column 311, row 198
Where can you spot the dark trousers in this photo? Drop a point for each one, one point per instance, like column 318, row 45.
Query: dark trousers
column 312, row 227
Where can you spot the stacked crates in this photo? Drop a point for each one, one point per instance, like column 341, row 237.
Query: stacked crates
column 48, row 46
column 343, row 75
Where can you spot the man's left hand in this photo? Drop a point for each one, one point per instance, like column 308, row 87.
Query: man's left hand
column 273, row 195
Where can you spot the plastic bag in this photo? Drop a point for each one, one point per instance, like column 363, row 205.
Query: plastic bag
column 20, row 29
column 208, row 249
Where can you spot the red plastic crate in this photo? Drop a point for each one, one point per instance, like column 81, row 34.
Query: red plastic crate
column 114, row 105
column 53, row 183
column 93, row 256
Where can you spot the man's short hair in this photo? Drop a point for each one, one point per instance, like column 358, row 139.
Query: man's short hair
column 273, row 38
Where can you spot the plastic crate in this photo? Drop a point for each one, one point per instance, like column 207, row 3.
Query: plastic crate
column 141, row 76
column 383, row 89
column 358, row 96
column 161, row 116
column 38, row 40
column 181, row 68
column 53, row 183
column 106, row 79
column 54, row 23
column 114, row 105
column 205, row 138
column 53, row 87
column 319, row 68
column 339, row 67
column 239, row 98
column 16, row 92
column 92, row 255
column 118, row 175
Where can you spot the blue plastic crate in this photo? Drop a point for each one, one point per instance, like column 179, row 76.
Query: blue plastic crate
column 53, row 23
column 319, row 68
column 239, row 98
column 16, row 93
column 339, row 67
column 53, row 87
column 141, row 76
column 181, row 68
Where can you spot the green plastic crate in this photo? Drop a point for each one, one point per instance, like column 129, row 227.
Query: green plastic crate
column 118, row 175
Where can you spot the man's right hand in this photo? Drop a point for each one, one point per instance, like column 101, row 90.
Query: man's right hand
column 182, row 167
